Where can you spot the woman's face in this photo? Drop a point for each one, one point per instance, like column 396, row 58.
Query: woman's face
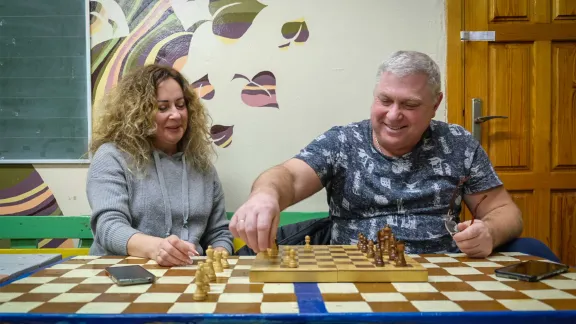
column 171, row 116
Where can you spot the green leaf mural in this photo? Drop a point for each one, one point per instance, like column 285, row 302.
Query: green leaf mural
column 232, row 18
column 296, row 31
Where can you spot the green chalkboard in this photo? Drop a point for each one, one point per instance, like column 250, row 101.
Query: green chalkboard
column 44, row 81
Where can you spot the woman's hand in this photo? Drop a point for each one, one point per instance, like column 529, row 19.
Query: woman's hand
column 172, row 251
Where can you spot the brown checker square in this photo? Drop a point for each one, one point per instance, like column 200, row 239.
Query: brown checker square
column 301, row 263
column 275, row 298
column 560, row 304
column 505, row 295
column 337, row 257
column 243, row 288
column 385, row 307
column 452, row 286
column 431, row 255
column 524, row 285
column 179, row 272
column 480, row 305
column 50, row 273
column 243, row 308
column 221, row 280
column 94, row 266
column 327, row 266
column 342, row 297
column 158, row 308
column 420, row 260
column 527, row 257
column 244, row 262
column 451, row 265
column 102, row 273
column 437, row 272
column 90, row 288
column 364, row 266
column 425, row 296
column 34, row 297
column 189, row 298
column 571, row 291
column 58, row 308
column 323, row 254
column 116, row 298
column 343, row 262
column 18, row 288
column 486, row 270
column 133, row 261
column 167, row 288
column 76, row 261
column 64, row 280
column 112, row 257
column 374, row 287
column 477, row 277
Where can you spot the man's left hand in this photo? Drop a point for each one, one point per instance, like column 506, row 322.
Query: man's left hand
column 475, row 240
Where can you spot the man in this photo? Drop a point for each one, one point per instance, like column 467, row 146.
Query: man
column 399, row 168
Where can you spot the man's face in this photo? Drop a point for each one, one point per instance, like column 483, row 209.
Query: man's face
column 402, row 110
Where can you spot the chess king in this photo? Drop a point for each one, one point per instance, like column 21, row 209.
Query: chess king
column 399, row 168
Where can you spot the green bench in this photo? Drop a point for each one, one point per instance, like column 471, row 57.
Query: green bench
column 25, row 232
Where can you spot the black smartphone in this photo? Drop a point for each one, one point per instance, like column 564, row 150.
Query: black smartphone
column 130, row 275
column 531, row 270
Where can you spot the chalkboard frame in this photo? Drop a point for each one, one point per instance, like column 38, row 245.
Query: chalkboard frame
column 86, row 157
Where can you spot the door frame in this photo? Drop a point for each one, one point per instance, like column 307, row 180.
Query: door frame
column 455, row 105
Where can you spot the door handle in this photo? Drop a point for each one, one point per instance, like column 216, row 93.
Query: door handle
column 478, row 119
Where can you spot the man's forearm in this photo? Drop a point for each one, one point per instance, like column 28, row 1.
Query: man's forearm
column 504, row 223
column 277, row 181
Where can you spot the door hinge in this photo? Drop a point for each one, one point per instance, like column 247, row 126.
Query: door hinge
column 478, row 36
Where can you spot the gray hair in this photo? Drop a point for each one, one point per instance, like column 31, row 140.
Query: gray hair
column 402, row 63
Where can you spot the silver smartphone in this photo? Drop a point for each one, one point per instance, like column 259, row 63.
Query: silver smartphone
column 130, row 275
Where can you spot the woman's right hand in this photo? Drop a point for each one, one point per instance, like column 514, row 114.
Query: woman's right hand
column 172, row 251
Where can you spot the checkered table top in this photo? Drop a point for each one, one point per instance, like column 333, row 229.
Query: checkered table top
column 456, row 284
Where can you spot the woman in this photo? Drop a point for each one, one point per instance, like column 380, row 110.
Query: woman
column 152, row 188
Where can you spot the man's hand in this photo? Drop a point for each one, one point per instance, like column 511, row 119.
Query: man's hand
column 475, row 240
column 172, row 251
column 256, row 221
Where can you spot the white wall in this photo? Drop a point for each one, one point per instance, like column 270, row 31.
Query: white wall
column 326, row 81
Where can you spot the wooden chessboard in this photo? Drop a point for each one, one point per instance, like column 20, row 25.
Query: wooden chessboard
column 332, row 263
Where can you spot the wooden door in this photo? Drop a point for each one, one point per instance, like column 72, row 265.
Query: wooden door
column 528, row 73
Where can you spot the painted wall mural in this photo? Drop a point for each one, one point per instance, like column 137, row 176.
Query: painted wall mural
column 162, row 32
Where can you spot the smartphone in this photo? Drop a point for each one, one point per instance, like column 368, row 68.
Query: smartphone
column 531, row 270
column 130, row 275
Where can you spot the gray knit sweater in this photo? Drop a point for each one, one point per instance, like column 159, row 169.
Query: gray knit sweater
column 168, row 199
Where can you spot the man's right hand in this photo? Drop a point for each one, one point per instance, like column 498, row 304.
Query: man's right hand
column 256, row 221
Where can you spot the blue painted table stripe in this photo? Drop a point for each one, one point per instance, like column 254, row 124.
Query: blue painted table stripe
column 309, row 298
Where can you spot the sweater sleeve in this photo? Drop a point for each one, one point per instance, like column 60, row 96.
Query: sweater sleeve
column 107, row 192
column 217, row 232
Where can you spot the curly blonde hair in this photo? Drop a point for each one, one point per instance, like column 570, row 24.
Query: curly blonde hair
column 128, row 118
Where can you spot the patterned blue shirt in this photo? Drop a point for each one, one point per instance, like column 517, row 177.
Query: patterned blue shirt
column 367, row 190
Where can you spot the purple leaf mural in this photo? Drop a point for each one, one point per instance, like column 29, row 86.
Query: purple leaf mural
column 260, row 91
column 232, row 18
column 222, row 135
column 204, row 88
column 296, row 31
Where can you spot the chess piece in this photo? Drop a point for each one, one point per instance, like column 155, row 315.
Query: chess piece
column 400, row 259
column 273, row 250
column 218, row 262
column 211, row 272
column 292, row 263
column 225, row 263
column 307, row 246
column 392, row 245
column 378, row 261
column 204, row 275
column 286, row 256
column 200, row 293
column 370, row 252
column 209, row 253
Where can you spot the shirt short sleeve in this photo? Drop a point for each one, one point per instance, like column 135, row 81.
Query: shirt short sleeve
column 481, row 173
column 323, row 153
